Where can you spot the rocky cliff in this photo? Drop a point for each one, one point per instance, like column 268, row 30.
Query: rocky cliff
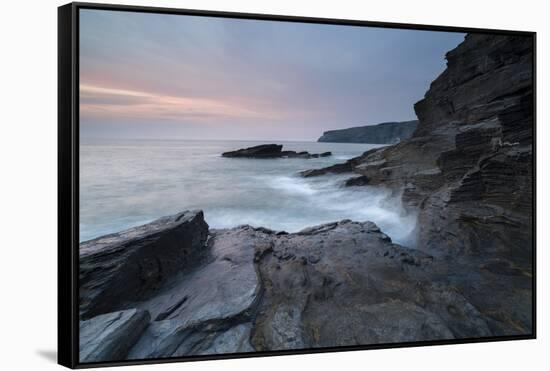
column 468, row 172
column 175, row 287
column 384, row 133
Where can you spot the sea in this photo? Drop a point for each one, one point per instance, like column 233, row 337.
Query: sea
column 125, row 183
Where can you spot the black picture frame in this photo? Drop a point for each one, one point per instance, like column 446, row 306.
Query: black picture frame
column 68, row 179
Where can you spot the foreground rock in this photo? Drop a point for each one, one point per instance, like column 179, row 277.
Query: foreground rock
column 384, row 133
column 125, row 266
column 109, row 337
column 208, row 308
column 337, row 284
column 272, row 151
column 346, row 283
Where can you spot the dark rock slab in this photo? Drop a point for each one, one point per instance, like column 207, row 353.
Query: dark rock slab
column 267, row 151
column 334, row 169
column 120, row 268
column 346, row 283
column 261, row 151
column 110, row 336
column 208, row 309
column 345, row 167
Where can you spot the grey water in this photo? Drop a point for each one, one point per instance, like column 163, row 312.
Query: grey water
column 125, row 183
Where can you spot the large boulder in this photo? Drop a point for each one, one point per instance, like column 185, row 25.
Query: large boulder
column 123, row 267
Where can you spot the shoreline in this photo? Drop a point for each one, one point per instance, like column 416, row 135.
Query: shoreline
column 467, row 170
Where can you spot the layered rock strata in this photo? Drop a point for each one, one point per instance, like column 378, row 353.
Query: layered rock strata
column 468, row 172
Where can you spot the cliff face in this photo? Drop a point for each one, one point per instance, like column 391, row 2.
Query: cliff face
column 384, row 133
column 470, row 158
column 467, row 172
column 485, row 102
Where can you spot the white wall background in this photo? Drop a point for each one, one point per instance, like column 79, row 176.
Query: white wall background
column 28, row 145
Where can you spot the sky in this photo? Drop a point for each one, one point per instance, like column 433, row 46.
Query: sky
column 160, row 76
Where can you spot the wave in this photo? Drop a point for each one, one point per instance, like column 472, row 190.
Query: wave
column 296, row 203
column 342, row 157
column 292, row 185
column 124, row 187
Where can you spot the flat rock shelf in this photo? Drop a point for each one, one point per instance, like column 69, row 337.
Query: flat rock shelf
column 253, row 289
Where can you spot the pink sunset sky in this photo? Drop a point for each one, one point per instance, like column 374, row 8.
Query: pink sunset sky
column 180, row 77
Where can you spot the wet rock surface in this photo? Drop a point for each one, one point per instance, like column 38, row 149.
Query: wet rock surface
column 118, row 268
column 336, row 284
column 206, row 309
column 346, row 283
column 110, row 336
column 272, row 151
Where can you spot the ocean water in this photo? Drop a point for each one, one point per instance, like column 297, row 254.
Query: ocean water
column 130, row 182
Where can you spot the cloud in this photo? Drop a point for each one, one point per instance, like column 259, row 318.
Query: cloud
column 254, row 79
column 104, row 102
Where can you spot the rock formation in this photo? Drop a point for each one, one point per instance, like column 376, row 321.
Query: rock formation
column 181, row 289
column 468, row 172
column 384, row 133
column 272, row 151
column 252, row 289
column 128, row 265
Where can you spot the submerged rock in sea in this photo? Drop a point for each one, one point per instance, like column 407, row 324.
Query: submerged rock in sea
column 272, row 151
column 110, row 336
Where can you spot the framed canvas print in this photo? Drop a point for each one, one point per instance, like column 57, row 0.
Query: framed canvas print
column 235, row 185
